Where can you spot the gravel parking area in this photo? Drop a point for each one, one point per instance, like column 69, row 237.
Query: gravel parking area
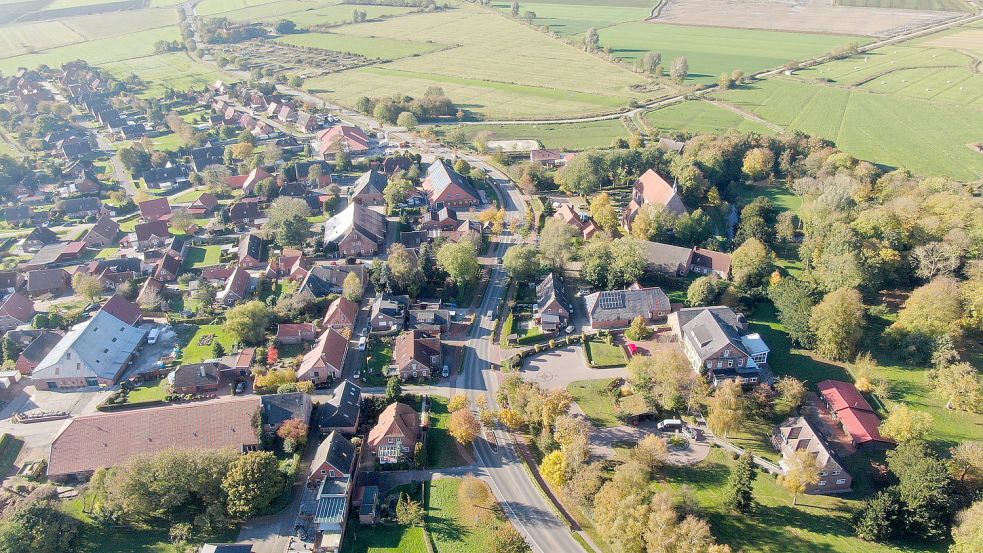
column 556, row 369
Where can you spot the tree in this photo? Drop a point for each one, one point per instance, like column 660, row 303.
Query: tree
column 288, row 222
column 521, row 261
column 704, row 291
column 215, row 178
column 838, row 322
column 554, row 468
column 507, row 539
column 515, row 9
column 285, row 26
column 409, row 512
column 726, row 409
column 880, row 517
column 638, row 330
column 407, row 120
column 751, row 263
column 613, row 264
column 294, row 432
column 758, row 164
column 40, row 527
column 272, row 355
column 651, row 61
column 791, row 395
column 342, row 161
column 218, row 350
column 272, row 154
column 905, row 424
column 460, row 261
column 801, row 471
column 924, row 490
column 740, row 491
column 933, row 310
column 396, row 192
column 679, row 69
column 603, row 212
column 463, row 426
column 247, row 322
column 352, row 287
column 296, row 81
column 651, row 451
column 405, row 271
column 967, row 533
column 394, row 389
column 591, row 39
column 666, row 381
column 86, row 286
column 254, row 480
column 793, row 299
column 936, row 259
column 724, row 81
column 556, row 243
column 960, row 385
column 966, row 467
column 458, row 402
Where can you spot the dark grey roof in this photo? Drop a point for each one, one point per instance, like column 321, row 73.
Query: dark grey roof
column 369, row 497
column 549, row 290
column 198, row 374
column 389, row 305
column 158, row 175
column 619, row 305
column 41, row 345
column 666, row 258
column 43, row 234
column 371, row 182
column 342, row 410
column 17, row 213
column 710, row 330
column 251, row 245
column 338, row 451
column 279, row 408
column 76, row 205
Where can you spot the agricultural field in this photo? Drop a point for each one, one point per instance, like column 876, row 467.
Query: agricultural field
column 572, row 18
column 174, row 70
column 302, row 12
column 702, row 117
column 574, row 136
column 369, row 47
column 501, row 68
column 62, row 4
column 711, row 51
column 936, row 5
column 96, row 52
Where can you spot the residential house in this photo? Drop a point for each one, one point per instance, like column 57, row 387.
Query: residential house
column 306, row 122
column 716, row 342
column 123, row 309
column 47, row 256
column 398, row 163
column 168, row 268
column 618, row 308
column 46, row 281
column 92, row 353
column 323, row 280
column 150, row 235
column 239, row 363
column 388, row 313
column 547, row 158
column 252, row 251
column 446, row 186
column 73, row 147
column 85, row 183
column 197, row 378
column 798, row 434
column 416, row 355
column 279, row 408
column 78, row 208
column 356, row 231
column 585, row 226
column 341, row 412
column 706, row 262
column 439, row 219
column 245, row 210
column 40, row 346
column 857, row 418
column 336, row 458
column 87, row 443
column 236, row 287
column 341, row 137
column 102, row 234
column 16, row 310
column 247, row 183
column 432, row 320
column 287, row 114
column 342, row 314
column 295, row 333
column 207, row 155
column 155, row 209
column 301, row 172
column 165, row 177
column 204, row 205
column 552, row 308
column 326, row 359
column 18, row 214
column 368, row 189
column 38, row 238
column 394, row 437
column 679, row 261
column 651, row 188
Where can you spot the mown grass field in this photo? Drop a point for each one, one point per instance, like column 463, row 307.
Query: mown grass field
column 195, row 353
column 370, row 47
column 175, row 70
column 938, row 5
column 501, row 68
column 572, row 18
column 575, row 136
column 702, row 117
column 97, row 52
column 592, row 398
column 202, row 257
column 302, row 12
column 441, row 448
column 711, row 51
column 448, row 523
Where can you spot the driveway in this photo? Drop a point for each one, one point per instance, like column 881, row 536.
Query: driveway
column 558, row 368
column 604, row 440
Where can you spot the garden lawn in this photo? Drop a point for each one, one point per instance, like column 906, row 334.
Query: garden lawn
column 107, row 253
column 593, row 399
column 202, row 257
column 378, row 357
column 384, row 538
column 574, row 136
column 600, row 354
column 153, row 390
column 451, row 531
column 194, row 353
column 817, row 523
column 9, row 450
column 187, row 197
column 441, row 448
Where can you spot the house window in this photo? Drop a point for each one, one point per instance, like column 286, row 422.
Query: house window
column 822, row 482
column 835, row 472
column 841, row 481
column 730, row 363
column 823, row 473
column 709, row 364
column 740, row 362
column 331, row 473
column 323, row 471
column 392, row 440
column 726, row 353
column 754, row 379
column 720, row 363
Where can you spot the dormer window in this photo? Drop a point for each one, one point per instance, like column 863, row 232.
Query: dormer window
column 726, row 353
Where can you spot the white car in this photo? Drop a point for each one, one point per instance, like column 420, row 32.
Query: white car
column 446, row 372
column 569, row 329
column 361, row 344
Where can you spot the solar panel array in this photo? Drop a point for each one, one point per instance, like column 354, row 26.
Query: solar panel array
column 612, row 300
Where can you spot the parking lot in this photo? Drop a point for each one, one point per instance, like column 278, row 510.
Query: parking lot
column 556, row 369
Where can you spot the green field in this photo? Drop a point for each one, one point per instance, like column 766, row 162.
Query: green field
column 575, row 136
column 592, row 398
column 702, row 117
column 571, row 18
column 175, row 70
column 302, row 12
column 381, row 48
column 96, row 52
column 891, row 130
column 501, row 68
column 441, row 448
column 711, row 51
column 195, row 353
column 197, row 258
column 153, row 390
column 38, row 36
column 939, row 5
column 603, row 355
column 383, row 538
column 449, row 527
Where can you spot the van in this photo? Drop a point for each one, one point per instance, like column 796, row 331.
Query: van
column 152, row 337
column 361, row 344
column 670, row 425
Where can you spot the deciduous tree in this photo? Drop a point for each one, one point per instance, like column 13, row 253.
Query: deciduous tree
column 246, row 323
column 905, row 424
column 751, row 263
column 463, row 426
column 603, row 212
column 254, row 480
column 352, row 287
column 801, row 471
column 726, row 409
column 86, row 286
column 838, row 322
column 522, row 261
column 556, row 243
column 554, row 468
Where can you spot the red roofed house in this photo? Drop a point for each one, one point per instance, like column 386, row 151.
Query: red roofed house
column 585, row 226
column 394, row 437
column 155, row 209
column 341, row 314
column 205, row 204
column 295, row 333
column 90, row 442
column 236, row 287
column 347, row 137
column 123, row 309
column 247, row 182
column 326, row 360
column 548, row 158
column 854, row 413
column 651, row 188
column 416, row 354
column 16, row 310
column 446, row 186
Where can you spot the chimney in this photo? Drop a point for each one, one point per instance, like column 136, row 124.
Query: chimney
column 201, row 371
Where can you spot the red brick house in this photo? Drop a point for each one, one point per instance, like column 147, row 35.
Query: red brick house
column 341, row 314
column 446, row 186
column 394, row 437
column 368, row 189
column 651, row 188
column 439, row 219
column 102, row 234
column 199, row 378
column 356, row 231
column 416, row 355
column 798, row 434
column 326, row 359
column 295, row 333
column 155, row 209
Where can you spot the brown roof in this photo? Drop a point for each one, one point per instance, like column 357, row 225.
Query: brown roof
column 656, row 190
column 145, row 231
column 415, row 345
column 47, row 279
column 717, row 261
column 18, row 307
column 89, row 442
column 329, row 350
column 207, row 201
column 397, row 419
column 342, row 311
column 154, row 209
column 285, row 330
column 122, row 309
column 105, row 227
column 353, row 137
column 238, row 282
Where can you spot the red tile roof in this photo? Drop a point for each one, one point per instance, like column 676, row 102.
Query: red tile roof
column 853, row 411
column 342, row 312
column 154, row 209
column 398, row 419
column 288, row 330
column 122, row 309
column 354, row 138
column 18, row 307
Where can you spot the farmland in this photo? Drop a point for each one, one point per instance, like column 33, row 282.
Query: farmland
column 97, row 52
column 370, row 47
column 597, row 134
column 701, row 117
column 302, row 12
column 571, row 18
column 712, row 51
column 500, row 69
column 939, row 5
column 175, row 70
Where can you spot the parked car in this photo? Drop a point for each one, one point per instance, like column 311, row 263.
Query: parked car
column 152, row 337
column 240, row 387
column 357, row 374
column 670, row 425
column 446, row 372
column 569, row 329
column 361, row 344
